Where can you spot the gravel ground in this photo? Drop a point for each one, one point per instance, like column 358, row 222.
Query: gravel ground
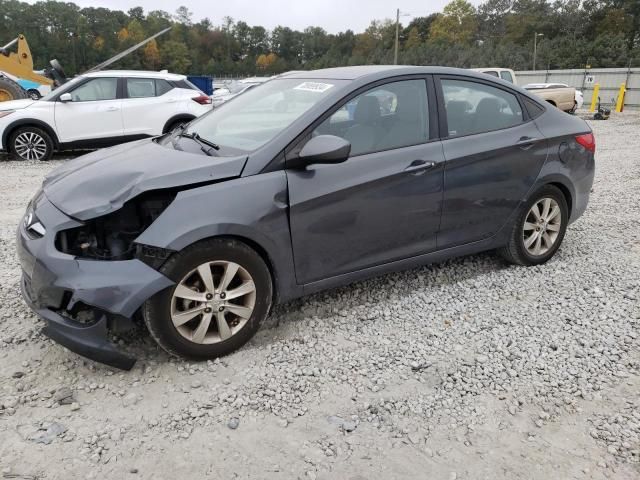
column 463, row 370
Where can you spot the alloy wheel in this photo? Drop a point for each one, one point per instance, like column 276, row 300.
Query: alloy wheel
column 31, row 146
column 213, row 302
column 542, row 226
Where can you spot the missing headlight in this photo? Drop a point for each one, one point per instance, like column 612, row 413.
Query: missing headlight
column 111, row 236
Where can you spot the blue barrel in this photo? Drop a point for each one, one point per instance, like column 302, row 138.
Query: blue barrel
column 204, row 83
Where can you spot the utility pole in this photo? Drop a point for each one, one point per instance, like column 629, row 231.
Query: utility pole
column 535, row 46
column 395, row 48
column 395, row 51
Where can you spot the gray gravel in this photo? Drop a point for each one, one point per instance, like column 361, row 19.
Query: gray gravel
column 467, row 369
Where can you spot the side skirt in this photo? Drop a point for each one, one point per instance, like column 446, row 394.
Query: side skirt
column 433, row 257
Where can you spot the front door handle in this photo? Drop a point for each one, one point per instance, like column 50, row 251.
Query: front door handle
column 112, row 109
column 525, row 143
column 418, row 167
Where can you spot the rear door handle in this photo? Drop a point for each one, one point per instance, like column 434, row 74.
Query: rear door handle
column 525, row 143
column 418, row 167
column 112, row 109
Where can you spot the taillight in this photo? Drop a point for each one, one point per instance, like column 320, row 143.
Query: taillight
column 202, row 100
column 588, row 141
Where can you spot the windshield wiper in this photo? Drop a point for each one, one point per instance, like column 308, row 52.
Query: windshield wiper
column 203, row 142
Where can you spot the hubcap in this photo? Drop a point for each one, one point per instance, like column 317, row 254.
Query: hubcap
column 542, row 226
column 219, row 289
column 31, row 146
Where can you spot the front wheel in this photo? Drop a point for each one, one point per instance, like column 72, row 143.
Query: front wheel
column 539, row 229
column 31, row 143
column 223, row 291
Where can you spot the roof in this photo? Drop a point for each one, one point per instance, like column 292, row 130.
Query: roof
column 346, row 73
column 373, row 72
column 135, row 73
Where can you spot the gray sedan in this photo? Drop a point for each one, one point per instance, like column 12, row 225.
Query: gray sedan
column 309, row 181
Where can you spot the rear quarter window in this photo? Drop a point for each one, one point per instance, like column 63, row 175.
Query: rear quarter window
column 534, row 109
column 162, row 87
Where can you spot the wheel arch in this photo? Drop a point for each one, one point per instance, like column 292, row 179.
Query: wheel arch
column 252, row 243
column 176, row 118
column 28, row 122
column 552, row 103
column 567, row 194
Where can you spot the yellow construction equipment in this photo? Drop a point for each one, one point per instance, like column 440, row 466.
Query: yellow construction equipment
column 18, row 64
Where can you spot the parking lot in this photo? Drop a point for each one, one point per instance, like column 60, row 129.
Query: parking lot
column 464, row 370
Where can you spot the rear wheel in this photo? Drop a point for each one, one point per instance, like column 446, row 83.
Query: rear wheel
column 31, row 143
column 223, row 291
column 539, row 229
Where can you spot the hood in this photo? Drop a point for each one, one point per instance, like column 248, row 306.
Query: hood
column 16, row 104
column 102, row 181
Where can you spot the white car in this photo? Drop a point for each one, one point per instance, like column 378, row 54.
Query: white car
column 579, row 97
column 99, row 109
column 234, row 89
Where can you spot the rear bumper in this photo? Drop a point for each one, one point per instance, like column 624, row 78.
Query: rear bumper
column 56, row 286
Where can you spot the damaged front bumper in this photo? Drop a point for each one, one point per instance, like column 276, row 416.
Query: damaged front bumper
column 57, row 286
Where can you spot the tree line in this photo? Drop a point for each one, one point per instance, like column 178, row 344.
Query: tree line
column 571, row 34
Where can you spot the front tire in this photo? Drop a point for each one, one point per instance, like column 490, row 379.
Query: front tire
column 31, row 143
column 539, row 228
column 223, row 292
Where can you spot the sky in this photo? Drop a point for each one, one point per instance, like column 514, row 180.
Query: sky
column 332, row 15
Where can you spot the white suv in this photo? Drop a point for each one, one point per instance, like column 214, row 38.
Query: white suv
column 97, row 110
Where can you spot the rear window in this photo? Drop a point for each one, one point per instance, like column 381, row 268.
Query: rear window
column 141, row 87
column 491, row 72
column 147, row 87
column 506, row 75
column 473, row 107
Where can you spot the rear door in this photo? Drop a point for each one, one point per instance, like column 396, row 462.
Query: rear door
column 147, row 105
column 384, row 202
column 493, row 153
column 94, row 112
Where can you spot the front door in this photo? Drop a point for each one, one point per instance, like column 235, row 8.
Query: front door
column 493, row 154
column 94, row 112
column 384, row 202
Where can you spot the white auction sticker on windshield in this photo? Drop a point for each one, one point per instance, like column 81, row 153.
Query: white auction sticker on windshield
column 314, row 87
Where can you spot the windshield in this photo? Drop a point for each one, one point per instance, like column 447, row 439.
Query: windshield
column 258, row 115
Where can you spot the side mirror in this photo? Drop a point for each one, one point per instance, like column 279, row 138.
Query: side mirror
column 323, row 149
column 65, row 97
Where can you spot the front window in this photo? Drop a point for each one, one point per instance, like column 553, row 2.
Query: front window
column 393, row 115
column 96, row 89
column 254, row 118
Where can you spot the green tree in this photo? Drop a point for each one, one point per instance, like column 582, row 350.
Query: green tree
column 457, row 24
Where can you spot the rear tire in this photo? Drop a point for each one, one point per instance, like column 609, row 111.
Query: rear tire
column 31, row 143
column 10, row 90
column 204, row 318
column 539, row 228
